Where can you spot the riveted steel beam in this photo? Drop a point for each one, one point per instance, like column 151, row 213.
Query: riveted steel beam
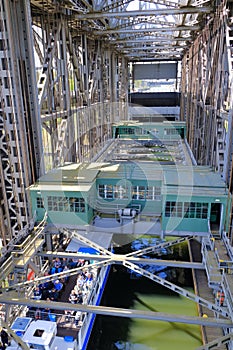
column 141, row 13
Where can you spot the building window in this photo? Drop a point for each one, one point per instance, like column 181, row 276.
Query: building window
column 39, row 202
column 153, row 193
column 105, row 191
column 77, row 205
column 120, row 192
column 68, row 204
column 112, row 191
column 195, row 210
column 173, row 209
column 140, row 131
column 138, row 192
column 128, row 131
column 192, row 210
column 170, row 131
column 53, row 203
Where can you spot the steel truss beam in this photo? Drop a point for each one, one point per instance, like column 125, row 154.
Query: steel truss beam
column 98, row 18
column 125, row 260
column 143, row 13
column 147, row 30
column 169, row 263
column 14, row 299
column 151, row 39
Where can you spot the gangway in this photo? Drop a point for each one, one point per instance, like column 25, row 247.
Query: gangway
column 24, row 252
column 216, row 344
column 211, row 262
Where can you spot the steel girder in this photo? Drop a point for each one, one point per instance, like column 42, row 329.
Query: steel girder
column 104, row 19
column 126, row 260
column 20, row 130
column 15, row 299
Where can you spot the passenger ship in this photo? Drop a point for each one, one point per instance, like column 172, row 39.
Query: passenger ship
column 47, row 332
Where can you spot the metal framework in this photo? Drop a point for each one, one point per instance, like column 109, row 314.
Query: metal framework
column 24, row 258
column 17, row 294
column 64, row 76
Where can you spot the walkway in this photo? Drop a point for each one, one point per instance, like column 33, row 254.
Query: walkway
column 202, row 289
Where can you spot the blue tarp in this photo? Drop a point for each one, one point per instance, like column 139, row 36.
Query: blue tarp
column 88, row 250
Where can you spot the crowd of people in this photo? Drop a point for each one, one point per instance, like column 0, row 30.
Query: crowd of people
column 79, row 294
column 51, row 289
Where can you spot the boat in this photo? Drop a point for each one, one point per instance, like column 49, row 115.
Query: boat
column 142, row 243
column 40, row 334
column 45, row 333
column 95, row 294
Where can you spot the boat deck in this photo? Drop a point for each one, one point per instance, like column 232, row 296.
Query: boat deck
column 65, row 326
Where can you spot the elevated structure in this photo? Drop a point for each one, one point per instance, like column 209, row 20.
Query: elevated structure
column 69, row 70
column 148, row 169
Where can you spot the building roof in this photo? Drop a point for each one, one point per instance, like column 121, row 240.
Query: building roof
column 133, row 170
column 70, row 174
column 198, row 180
column 192, row 176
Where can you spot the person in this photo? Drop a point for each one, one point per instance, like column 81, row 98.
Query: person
column 46, row 312
column 4, row 339
column 57, row 264
column 58, row 285
column 80, row 297
column 77, row 317
column 80, row 281
column 38, row 314
column 54, row 295
column 89, row 280
column 37, row 294
column 73, row 297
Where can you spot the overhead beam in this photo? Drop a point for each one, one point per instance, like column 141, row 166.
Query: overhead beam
column 13, row 299
column 141, row 13
column 159, row 56
column 151, row 48
column 159, row 262
column 147, row 30
column 150, row 40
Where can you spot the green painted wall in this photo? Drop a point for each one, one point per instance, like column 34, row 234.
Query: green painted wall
column 191, row 224
column 162, row 131
column 64, row 216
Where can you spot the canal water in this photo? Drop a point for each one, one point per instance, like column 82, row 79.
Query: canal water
column 125, row 290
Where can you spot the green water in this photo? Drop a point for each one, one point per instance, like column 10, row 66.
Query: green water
column 123, row 291
column 157, row 335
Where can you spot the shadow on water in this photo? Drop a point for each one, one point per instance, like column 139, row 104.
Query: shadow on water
column 173, row 324
column 121, row 291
